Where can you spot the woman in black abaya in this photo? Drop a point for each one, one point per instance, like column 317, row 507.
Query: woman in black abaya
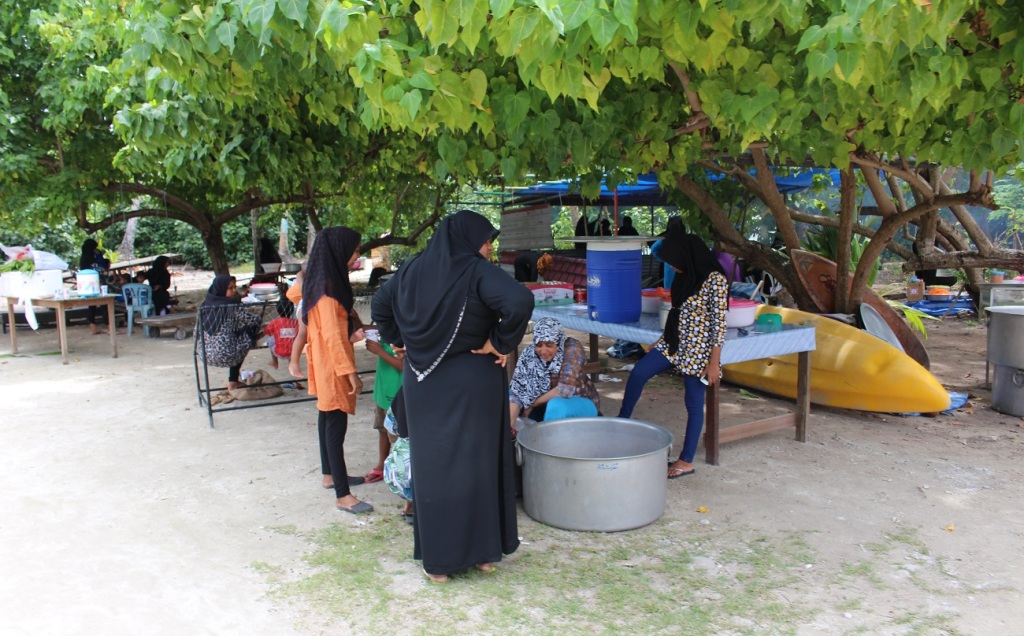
column 457, row 317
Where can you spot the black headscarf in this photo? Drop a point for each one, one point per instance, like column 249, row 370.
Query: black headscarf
column 432, row 288
column 695, row 262
column 213, row 310
column 88, row 257
column 158, row 273
column 327, row 270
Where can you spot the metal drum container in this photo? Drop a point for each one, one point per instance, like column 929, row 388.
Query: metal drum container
column 1006, row 352
column 603, row 474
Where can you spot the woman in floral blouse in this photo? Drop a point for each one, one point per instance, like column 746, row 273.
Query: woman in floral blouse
column 692, row 340
column 549, row 382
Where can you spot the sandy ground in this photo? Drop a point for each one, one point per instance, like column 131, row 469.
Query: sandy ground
column 122, row 511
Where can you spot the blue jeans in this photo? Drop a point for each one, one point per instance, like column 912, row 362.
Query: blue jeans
column 693, row 397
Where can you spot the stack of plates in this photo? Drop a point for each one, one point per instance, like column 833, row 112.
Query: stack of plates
column 265, row 292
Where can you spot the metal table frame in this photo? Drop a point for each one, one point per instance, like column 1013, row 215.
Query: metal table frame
column 757, row 344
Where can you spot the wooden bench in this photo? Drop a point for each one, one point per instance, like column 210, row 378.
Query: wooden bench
column 182, row 323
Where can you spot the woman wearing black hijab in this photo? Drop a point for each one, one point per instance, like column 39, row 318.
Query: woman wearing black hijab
column 92, row 258
column 159, row 279
column 228, row 330
column 327, row 301
column 453, row 312
column 692, row 340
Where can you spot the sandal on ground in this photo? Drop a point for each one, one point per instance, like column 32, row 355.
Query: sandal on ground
column 360, row 508
column 676, row 473
column 408, row 518
column 436, row 578
column 374, row 476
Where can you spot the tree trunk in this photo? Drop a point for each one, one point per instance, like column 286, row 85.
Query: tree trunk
column 126, row 251
column 214, row 241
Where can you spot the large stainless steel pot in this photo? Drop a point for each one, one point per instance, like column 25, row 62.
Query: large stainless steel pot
column 602, row 474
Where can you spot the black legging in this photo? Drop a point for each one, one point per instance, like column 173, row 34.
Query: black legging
column 331, row 427
column 234, row 372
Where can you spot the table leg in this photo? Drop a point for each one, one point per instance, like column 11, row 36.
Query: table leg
column 62, row 332
column 711, row 424
column 111, row 326
column 10, row 322
column 803, row 394
column 595, row 345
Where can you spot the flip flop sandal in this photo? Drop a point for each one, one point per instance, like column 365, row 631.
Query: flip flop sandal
column 358, row 509
column 680, row 472
column 374, row 476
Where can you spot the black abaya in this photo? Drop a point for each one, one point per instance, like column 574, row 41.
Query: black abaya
column 459, row 431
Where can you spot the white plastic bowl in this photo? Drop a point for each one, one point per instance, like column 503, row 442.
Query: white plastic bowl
column 741, row 313
column 271, row 268
column 650, row 304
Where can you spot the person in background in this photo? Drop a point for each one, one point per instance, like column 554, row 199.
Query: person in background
column 732, row 268
column 92, row 258
column 529, row 265
column 674, row 227
column 627, row 228
column 159, row 278
column 605, row 228
column 458, row 317
column 281, row 332
column 228, row 330
column 268, row 251
column 548, row 381
column 331, row 329
column 692, row 340
column 386, row 382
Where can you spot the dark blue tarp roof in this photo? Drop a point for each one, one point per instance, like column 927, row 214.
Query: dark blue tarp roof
column 646, row 190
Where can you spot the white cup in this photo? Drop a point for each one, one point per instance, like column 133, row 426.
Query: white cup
column 103, row 290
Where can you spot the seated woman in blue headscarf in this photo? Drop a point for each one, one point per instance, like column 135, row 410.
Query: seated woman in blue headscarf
column 549, row 382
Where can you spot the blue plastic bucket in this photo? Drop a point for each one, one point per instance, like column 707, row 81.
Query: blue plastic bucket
column 613, row 281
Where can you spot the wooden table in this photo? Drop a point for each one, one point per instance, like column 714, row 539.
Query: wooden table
column 62, row 306
column 756, row 344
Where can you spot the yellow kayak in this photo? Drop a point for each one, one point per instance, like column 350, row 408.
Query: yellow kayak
column 850, row 369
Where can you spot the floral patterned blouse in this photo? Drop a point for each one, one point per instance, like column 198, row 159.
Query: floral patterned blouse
column 701, row 326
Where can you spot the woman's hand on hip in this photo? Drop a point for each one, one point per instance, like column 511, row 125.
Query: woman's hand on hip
column 488, row 348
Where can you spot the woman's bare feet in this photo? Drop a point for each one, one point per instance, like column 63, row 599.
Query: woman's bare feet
column 232, row 386
column 485, row 567
column 436, row 578
column 328, row 482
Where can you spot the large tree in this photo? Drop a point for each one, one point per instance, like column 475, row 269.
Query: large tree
column 90, row 132
column 902, row 93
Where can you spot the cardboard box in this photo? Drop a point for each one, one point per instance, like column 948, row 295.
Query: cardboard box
column 915, row 291
column 550, row 293
column 40, row 283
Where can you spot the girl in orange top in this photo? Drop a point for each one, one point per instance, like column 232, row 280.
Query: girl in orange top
column 330, row 325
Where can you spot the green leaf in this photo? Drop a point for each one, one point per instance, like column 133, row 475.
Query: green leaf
column 294, row 10
column 820, row 63
column 848, row 60
column 477, row 82
column 810, row 37
column 500, row 8
column 576, row 12
column 334, row 20
column 517, row 109
column 259, row 15
column 411, row 103
column 603, row 25
column 226, row 32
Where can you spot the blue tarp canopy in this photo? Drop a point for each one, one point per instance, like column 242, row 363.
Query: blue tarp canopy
column 646, row 190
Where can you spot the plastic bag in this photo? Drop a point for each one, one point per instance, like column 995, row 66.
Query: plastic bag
column 398, row 469
column 42, row 260
column 46, row 260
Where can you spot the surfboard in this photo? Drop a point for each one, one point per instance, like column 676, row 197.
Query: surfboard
column 818, row 275
column 875, row 325
column 850, row 369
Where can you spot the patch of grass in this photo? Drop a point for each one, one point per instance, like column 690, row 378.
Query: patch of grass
column 670, row 577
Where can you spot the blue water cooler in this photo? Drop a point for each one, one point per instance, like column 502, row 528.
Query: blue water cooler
column 613, row 280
